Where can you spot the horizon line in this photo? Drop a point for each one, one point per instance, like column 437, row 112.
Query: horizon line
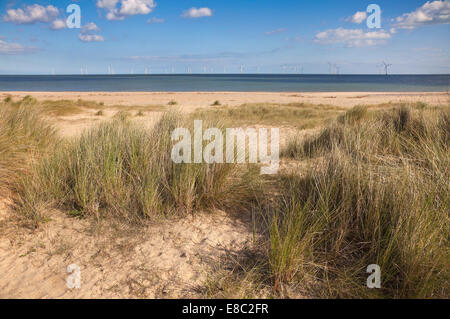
column 208, row 74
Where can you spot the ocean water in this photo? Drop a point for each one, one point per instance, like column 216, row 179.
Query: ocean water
column 227, row 82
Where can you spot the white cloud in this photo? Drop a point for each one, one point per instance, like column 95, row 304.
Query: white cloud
column 197, row 13
column 359, row 17
column 120, row 9
column 155, row 20
column 90, row 27
column 31, row 14
column 352, row 37
column 88, row 31
column 435, row 12
column 90, row 37
column 279, row 30
column 107, row 4
column 14, row 48
column 58, row 24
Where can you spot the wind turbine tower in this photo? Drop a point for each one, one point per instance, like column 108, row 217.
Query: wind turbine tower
column 386, row 67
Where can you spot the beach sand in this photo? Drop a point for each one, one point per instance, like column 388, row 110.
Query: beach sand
column 189, row 101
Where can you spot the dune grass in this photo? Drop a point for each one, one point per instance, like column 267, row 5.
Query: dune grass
column 120, row 169
column 55, row 108
column 298, row 115
column 380, row 195
column 58, row 108
column 23, row 136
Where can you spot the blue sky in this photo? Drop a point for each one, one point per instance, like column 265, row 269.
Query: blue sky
column 216, row 36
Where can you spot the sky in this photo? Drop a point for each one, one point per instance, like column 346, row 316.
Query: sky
column 217, row 36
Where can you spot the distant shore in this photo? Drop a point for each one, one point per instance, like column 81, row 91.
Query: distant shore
column 189, row 101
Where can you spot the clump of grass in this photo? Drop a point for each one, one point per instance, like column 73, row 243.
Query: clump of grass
column 216, row 103
column 354, row 115
column 99, row 113
column 385, row 132
column 120, row 169
column 314, row 145
column 122, row 115
column 378, row 196
column 172, row 102
column 23, row 136
column 7, row 99
column 140, row 113
column 420, row 105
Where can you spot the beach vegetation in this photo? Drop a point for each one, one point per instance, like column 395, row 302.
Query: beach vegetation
column 120, row 169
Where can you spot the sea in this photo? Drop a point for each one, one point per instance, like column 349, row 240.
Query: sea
column 226, row 83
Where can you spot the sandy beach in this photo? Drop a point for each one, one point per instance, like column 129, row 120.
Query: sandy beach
column 189, row 101
column 192, row 256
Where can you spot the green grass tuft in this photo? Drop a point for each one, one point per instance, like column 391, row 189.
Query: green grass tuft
column 378, row 194
column 120, row 169
column 23, row 137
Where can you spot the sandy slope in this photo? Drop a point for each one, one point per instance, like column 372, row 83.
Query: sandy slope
column 168, row 260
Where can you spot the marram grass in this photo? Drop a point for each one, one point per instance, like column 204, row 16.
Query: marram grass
column 379, row 194
column 120, row 169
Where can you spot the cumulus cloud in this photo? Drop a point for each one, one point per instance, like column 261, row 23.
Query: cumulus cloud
column 155, row 20
column 90, row 37
column 88, row 33
column 14, row 48
column 279, row 30
column 58, row 24
column 352, row 37
column 359, row 17
column 193, row 13
column 120, row 9
column 31, row 14
column 90, row 27
column 435, row 12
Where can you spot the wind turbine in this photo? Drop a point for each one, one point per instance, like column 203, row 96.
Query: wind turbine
column 337, row 68
column 386, row 66
column 330, row 66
